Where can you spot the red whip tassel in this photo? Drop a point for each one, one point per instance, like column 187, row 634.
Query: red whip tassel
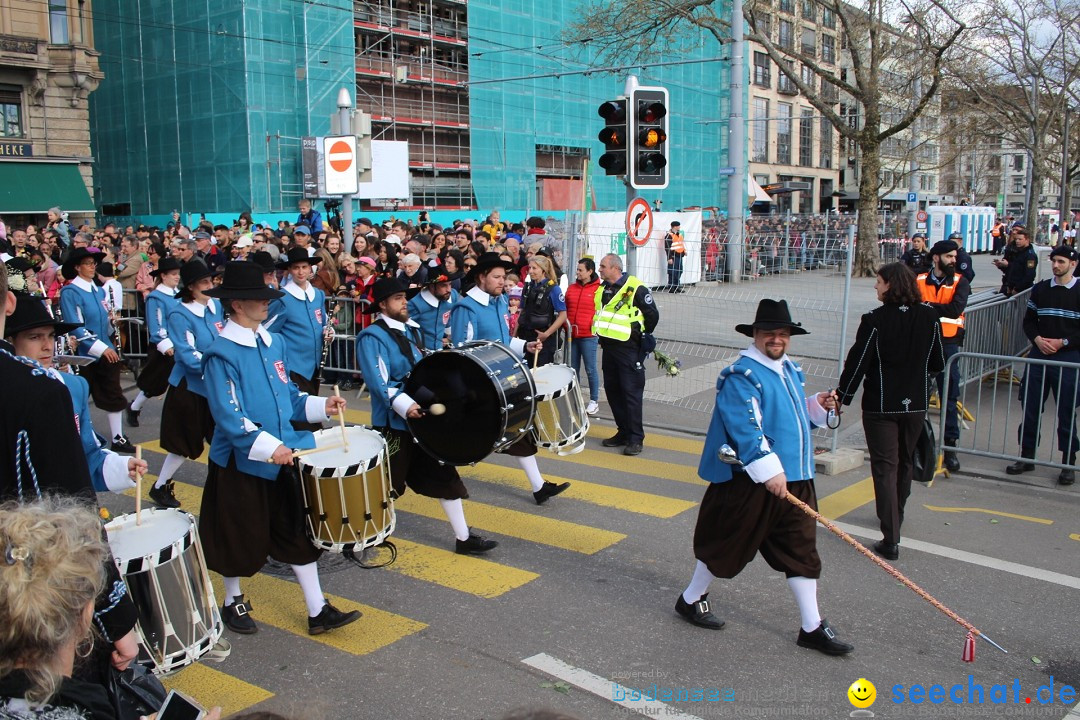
column 969, row 649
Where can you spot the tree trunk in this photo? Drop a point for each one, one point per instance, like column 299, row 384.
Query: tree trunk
column 1032, row 211
column 865, row 262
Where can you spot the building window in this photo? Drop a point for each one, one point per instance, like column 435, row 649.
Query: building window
column 760, row 148
column 828, row 48
column 994, row 163
column 58, row 22
column 784, row 83
column 762, row 70
column 806, row 138
column 783, row 134
column 826, row 141
column 787, row 6
column 762, row 23
column 808, row 77
column 809, row 42
column 809, row 10
column 787, row 35
column 1018, row 185
column 11, row 124
column 1018, row 162
column 828, row 18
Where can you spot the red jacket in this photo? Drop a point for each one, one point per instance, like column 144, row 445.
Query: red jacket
column 581, row 307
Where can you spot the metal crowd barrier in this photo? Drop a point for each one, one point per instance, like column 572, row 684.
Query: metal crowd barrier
column 993, row 402
column 994, row 328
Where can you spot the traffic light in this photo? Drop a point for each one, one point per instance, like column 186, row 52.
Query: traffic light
column 362, row 130
column 648, row 138
column 613, row 136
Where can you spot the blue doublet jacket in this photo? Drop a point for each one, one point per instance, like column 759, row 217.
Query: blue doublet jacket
column 84, row 302
column 433, row 316
column 479, row 316
column 384, row 369
column 763, row 413
column 301, row 321
column 193, row 327
column 253, row 401
column 108, row 471
column 159, row 304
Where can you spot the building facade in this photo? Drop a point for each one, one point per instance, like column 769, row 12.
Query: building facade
column 48, row 68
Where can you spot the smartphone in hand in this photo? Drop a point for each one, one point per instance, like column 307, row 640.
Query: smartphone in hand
column 178, row 706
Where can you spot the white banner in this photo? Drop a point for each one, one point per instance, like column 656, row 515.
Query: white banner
column 606, row 233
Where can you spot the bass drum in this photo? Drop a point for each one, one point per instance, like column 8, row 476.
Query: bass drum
column 489, row 397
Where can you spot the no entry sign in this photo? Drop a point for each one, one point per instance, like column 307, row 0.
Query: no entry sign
column 341, row 175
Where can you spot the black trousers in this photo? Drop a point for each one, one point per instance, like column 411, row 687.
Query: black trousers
column 891, row 439
column 624, row 383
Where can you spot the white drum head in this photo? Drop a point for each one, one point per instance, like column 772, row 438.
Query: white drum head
column 160, row 528
column 365, row 445
column 550, row 379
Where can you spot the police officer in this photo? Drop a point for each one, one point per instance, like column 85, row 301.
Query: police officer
column 1020, row 266
column 625, row 318
column 917, row 257
column 963, row 260
column 1052, row 323
column 947, row 291
column 430, row 308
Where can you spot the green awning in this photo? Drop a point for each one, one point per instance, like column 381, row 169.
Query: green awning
column 34, row 187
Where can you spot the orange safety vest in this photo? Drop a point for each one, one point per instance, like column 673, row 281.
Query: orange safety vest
column 677, row 245
column 941, row 295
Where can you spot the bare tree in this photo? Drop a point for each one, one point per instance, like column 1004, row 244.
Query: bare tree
column 1020, row 65
column 894, row 49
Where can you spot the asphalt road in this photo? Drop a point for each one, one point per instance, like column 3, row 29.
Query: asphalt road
column 574, row 611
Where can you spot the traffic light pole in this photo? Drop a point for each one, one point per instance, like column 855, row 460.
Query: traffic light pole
column 739, row 185
column 344, row 103
column 631, row 193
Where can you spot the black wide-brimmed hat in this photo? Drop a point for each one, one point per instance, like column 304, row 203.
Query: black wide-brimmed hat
column 772, row 315
column 295, row 255
column 489, row 261
column 165, row 265
column 243, row 281
column 264, row 260
column 434, row 278
column 74, row 258
column 193, row 271
column 30, row 313
column 383, row 289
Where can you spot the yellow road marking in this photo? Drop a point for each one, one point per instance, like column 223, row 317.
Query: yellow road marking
column 1075, row 536
column 472, row 575
column 637, row 466
column 279, row 603
column 847, row 499
column 659, row 506
column 513, row 523
column 210, row 687
column 1014, row 516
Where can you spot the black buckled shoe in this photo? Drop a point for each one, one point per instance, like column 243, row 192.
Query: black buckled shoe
column 121, row 444
column 698, row 613
column 165, row 495
column 329, row 618
column 1019, row 467
column 616, row 440
column 1066, row 477
column 237, row 617
column 889, row 551
column 475, row 545
column 132, row 417
column 548, row 490
column 823, row 640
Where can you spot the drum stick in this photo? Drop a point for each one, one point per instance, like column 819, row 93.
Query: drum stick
column 138, row 487
column 536, row 353
column 341, row 418
column 302, row 453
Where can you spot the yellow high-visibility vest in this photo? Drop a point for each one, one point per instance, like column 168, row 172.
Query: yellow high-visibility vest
column 615, row 320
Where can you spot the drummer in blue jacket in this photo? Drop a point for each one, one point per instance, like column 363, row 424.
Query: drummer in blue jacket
column 483, row 313
column 388, row 349
column 85, row 303
column 764, row 418
column 251, row 507
column 301, row 319
column 33, row 332
column 430, row 308
column 186, row 423
column 154, row 378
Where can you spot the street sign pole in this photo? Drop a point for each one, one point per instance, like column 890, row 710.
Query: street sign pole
column 344, row 103
column 737, row 182
column 631, row 249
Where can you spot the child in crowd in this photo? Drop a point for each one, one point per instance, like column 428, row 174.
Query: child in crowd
column 514, row 295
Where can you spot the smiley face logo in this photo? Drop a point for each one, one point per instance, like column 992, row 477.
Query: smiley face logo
column 862, row 693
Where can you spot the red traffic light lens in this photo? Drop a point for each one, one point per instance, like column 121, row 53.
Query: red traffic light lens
column 651, row 112
column 652, row 137
column 614, row 111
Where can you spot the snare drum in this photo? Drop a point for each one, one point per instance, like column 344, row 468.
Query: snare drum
column 489, row 397
column 561, row 423
column 347, row 498
column 163, row 565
